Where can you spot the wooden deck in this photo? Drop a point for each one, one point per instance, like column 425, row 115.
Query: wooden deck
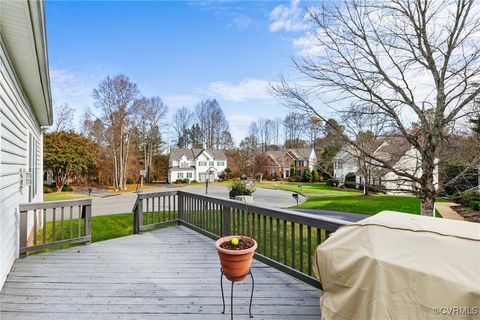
column 171, row 273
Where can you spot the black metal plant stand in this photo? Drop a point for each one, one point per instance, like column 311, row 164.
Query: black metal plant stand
column 231, row 294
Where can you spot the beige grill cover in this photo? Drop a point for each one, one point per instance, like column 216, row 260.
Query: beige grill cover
column 400, row 266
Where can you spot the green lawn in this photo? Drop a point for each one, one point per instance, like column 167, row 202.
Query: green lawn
column 58, row 196
column 307, row 188
column 361, row 204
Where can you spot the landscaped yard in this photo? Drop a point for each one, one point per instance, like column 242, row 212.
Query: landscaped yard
column 58, row 196
column 361, row 204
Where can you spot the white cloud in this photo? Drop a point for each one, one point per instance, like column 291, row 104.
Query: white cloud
column 248, row 89
column 288, row 18
column 240, row 21
column 72, row 87
column 240, row 122
column 178, row 101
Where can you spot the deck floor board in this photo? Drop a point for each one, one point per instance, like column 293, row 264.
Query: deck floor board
column 171, row 273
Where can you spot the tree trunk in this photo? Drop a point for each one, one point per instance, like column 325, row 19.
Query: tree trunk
column 427, row 205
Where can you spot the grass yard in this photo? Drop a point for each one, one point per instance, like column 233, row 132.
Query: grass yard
column 58, row 196
column 367, row 205
column 306, row 188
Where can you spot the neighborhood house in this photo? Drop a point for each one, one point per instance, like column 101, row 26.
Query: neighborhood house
column 278, row 163
column 196, row 164
column 393, row 150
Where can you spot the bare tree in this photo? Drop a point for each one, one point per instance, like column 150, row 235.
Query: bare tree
column 150, row 112
column 115, row 97
column 63, row 120
column 293, row 125
column 213, row 124
column 182, row 121
column 402, row 57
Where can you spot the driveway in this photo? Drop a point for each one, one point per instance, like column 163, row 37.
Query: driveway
column 123, row 203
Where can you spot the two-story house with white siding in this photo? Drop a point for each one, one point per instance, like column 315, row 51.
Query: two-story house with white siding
column 25, row 106
column 196, row 164
column 393, row 150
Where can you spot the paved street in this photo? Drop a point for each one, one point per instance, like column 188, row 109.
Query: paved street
column 123, row 203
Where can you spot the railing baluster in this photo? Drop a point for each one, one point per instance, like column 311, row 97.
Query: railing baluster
column 243, row 222
column 54, row 231
column 79, row 234
column 284, row 242
column 252, row 215
column 169, row 208
column 71, row 222
column 293, row 244
column 300, row 231
column 34, row 227
column 278, row 239
column 271, row 236
column 319, row 236
column 258, row 231
column 61, row 222
column 164, row 216
column 309, row 253
column 264, row 235
column 44, row 225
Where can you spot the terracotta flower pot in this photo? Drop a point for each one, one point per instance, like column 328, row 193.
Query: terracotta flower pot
column 235, row 263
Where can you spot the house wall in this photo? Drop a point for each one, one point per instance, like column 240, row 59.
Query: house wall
column 20, row 148
column 342, row 167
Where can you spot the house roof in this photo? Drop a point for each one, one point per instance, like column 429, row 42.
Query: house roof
column 22, row 25
column 192, row 154
column 297, row 153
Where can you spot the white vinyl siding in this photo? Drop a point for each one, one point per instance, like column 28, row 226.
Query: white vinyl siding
column 17, row 125
column 211, row 163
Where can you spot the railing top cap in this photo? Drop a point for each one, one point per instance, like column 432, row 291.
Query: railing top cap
column 54, row 204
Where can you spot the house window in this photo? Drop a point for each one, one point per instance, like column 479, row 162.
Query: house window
column 184, row 164
column 221, row 163
column 202, row 163
column 211, row 163
column 179, row 175
column 189, row 175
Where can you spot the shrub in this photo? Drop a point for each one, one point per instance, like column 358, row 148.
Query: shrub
column 350, row 180
column 293, row 179
column 67, row 188
column 475, row 205
column 307, row 176
column 238, row 188
column 47, row 188
column 223, row 176
column 332, row 183
column 194, row 181
column 466, row 198
column 315, row 175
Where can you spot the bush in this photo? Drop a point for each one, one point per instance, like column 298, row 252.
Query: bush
column 307, row 176
column 47, row 188
column 67, row 188
column 475, row 205
column 238, row 188
column 315, row 175
column 332, row 183
column 194, row 181
column 350, row 180
column 293, row 179
column 223, row 176
column 465, row 198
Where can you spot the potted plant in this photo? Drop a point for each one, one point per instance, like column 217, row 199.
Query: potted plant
column 236, row 254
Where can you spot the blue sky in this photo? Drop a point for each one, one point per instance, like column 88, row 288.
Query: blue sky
column 181, row 51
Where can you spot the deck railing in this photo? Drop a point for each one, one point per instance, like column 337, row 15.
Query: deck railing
column 49, row 224
column 286, row 239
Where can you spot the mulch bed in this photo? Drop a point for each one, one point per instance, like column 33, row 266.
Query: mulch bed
column 468, row 213
column 242, row 244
